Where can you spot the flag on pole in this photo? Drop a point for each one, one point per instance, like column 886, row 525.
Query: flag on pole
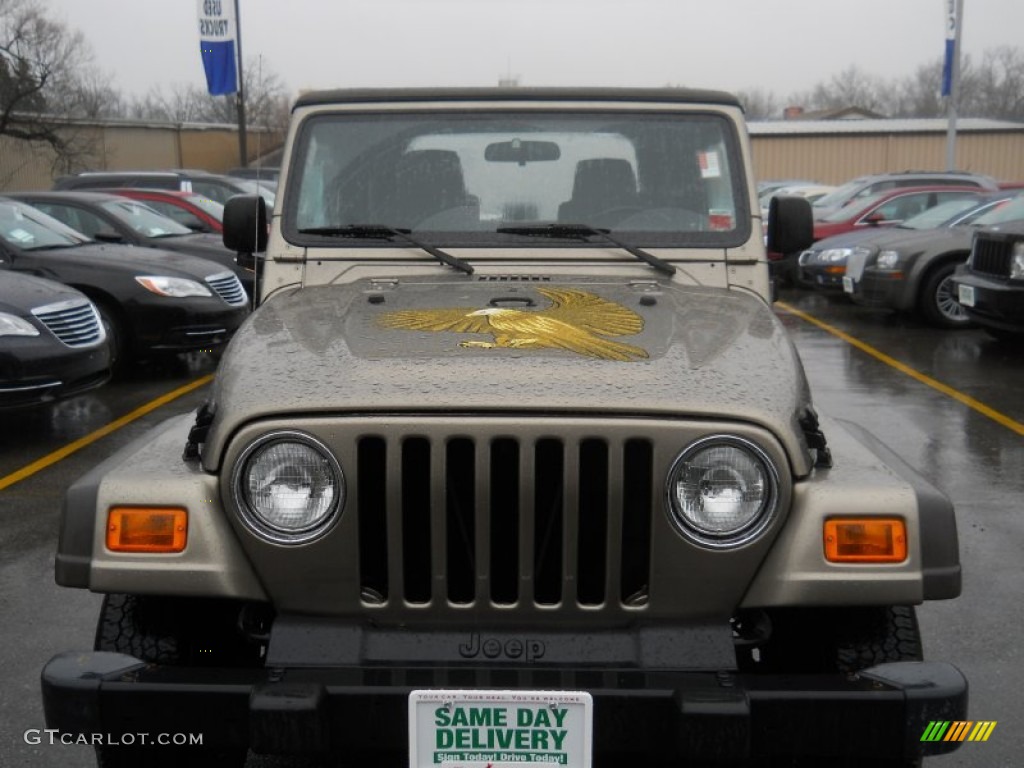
column 951, row 52
column 217, row 35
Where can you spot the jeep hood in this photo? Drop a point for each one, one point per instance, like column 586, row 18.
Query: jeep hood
column 485, row 345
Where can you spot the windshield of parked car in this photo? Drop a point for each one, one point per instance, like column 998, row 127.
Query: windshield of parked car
column 854, row 211
column 27, row 228
column 209, row 206
column 1011, row 211
column 254, row 187
column 658, row 178
column 145, row 220
column 940, row 214
column 840, row 195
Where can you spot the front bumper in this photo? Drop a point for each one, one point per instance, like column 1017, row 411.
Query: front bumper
column 998, row 303
column 185, row 325
column 33, row 372
column 661, row 717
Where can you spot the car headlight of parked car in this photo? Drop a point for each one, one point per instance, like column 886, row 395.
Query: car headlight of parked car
column 888, row 260
column 175, row 287
column 722, row 491
column 289, row 487
column 1017, row 262
column 12, row 325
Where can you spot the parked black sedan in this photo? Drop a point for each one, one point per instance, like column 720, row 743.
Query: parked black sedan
column 151, row 301
column 112, row 218
column 52, row 342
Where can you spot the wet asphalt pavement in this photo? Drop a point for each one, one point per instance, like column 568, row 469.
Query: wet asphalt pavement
column 973, row 457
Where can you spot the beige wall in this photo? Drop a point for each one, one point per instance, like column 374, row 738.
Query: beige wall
column 119, row 147
column 835, row 159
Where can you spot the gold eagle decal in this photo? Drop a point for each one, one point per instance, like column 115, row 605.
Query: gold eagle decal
column 576, row 321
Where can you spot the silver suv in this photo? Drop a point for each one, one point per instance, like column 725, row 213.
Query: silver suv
column 865, row 186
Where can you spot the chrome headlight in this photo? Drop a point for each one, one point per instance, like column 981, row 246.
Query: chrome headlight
column 722, row 491
column 175, row 287
column 834, row 255
column 1017, row 261
column 289, row 487
column 888, row 259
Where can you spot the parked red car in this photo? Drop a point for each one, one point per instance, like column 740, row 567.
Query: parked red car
column 197, row 212
column 889, row 208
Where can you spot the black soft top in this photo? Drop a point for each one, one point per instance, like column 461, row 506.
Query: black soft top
column 370, row 95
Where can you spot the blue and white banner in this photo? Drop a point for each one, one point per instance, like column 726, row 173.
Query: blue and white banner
column 217, row 35
column 951, row 52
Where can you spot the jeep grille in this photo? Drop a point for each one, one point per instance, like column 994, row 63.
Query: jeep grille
column 991, row 257
column 75, row 323
column 555, row 522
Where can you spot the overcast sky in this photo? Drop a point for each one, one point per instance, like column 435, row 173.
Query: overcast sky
column 778, row 46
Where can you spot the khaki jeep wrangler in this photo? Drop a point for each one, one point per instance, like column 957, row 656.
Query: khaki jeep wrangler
column 513, row 464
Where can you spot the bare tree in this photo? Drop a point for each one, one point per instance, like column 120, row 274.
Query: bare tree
column 995, row 88
column 267, row 102
column 759, row 104
column 46, row 78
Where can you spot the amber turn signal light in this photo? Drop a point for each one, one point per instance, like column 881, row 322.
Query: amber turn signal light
column 865, row 540
column 147, row 529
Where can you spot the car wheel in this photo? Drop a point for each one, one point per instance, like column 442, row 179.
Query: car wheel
column 938, row 302
column 172, row 632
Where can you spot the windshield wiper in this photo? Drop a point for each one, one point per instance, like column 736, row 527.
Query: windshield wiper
column 584, row 231
column 382, row 230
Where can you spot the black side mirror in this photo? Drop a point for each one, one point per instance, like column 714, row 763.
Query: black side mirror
column 245, row 224
column 108, row 236
column 790, row 224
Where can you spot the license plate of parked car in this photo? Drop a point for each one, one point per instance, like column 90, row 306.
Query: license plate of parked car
column 475, row 729
column 847, row 284
column 965, row 294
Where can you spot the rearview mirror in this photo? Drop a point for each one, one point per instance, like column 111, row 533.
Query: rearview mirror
column 790, row 224
column 522, row 152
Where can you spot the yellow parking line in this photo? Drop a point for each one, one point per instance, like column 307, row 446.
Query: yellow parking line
column 967, row 400
column 106, row 429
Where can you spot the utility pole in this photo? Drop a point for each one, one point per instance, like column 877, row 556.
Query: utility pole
column 243, row 150
column 951, row 75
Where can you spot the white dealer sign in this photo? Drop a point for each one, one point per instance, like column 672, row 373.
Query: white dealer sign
column 477, row 729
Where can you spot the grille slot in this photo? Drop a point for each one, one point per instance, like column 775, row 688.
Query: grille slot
column 75, row 323
column 991, row 257
column 510, row 521
column 228, row 287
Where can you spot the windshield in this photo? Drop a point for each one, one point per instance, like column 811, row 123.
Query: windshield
column 940, row 214
column 145, row 220
column 1011, row 211
column 840, row 195
column 663, row 179
column 854, row 211
column 211, row 207
column 26, row 228
column 253, row 187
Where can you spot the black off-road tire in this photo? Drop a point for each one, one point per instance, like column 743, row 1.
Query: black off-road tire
column 838, row 641
column 834, row 640
column 171, row 632
column 937, row 299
